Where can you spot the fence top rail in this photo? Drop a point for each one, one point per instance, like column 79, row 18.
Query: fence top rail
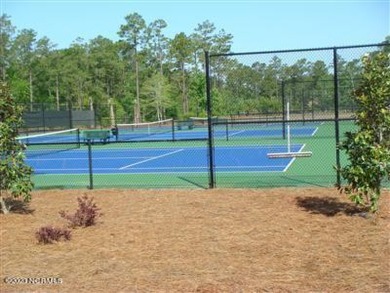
column 254, row 121
column 297, row 50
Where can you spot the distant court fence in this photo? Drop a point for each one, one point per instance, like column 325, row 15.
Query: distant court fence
column 296, row 102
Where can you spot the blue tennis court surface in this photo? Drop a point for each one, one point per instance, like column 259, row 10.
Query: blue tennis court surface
column 161, row 160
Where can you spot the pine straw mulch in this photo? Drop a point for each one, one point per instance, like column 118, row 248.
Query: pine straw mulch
column 222, row 240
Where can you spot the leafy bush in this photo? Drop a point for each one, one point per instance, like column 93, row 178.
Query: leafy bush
column 15, row 175
column 368, row 149
column 85, row 215
column 48, row 234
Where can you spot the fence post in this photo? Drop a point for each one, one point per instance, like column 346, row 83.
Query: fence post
column 336, row 114
column 303, row 106
column 210, row 127
column 283, row 110
column 90, row 164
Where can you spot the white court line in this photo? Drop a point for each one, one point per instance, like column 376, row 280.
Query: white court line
column 151, row 159
column 293, row 159
column 235, row 133
column 314, row 132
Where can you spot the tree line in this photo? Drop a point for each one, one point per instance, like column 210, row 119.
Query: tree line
column 146, row 76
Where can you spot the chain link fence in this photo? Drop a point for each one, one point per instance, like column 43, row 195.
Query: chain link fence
column 295, row 103
column 274, row 119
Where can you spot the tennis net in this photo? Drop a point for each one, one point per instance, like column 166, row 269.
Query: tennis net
column 51, row 142
column 144, row 131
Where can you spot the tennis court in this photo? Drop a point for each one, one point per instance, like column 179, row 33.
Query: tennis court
column 115, row 158
column 156, row 160
column 223, row 131
column 162, row 160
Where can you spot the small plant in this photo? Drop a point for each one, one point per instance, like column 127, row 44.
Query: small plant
column 85, row 215
column 48, row 234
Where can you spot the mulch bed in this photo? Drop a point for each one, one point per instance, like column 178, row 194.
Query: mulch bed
column 221, row 240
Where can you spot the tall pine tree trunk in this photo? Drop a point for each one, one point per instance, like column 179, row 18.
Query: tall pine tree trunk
column 111, row 105
column 112, row 112
column 57, row 93
column 137, row 106
column 184, row 91
column 31, row 91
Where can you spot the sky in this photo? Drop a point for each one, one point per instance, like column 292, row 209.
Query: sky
column 256, row 25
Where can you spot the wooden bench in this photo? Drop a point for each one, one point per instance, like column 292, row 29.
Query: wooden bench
column 103, row 135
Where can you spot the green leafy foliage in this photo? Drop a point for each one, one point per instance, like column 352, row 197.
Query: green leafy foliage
column 14, row 173
column 368, row 149
column 103, row 73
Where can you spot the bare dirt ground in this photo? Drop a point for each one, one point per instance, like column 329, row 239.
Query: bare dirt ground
column 222, row 240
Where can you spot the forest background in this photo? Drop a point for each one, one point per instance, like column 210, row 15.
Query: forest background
column 147, row 76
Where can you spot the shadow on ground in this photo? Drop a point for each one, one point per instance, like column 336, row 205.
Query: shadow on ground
column 18, row 206
column 328, row 206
